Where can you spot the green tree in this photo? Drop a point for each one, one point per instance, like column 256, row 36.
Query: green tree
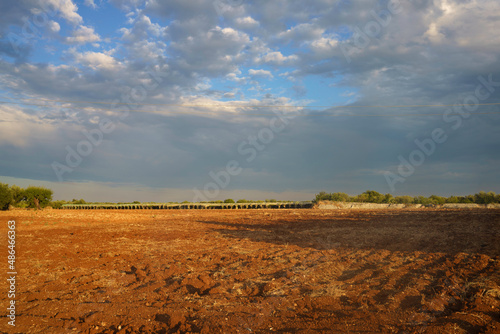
column 57, row 204
column 78, row 201
column 438, row 200
column 388, row 198
column 484, row 198
column 229, row 200
column 466, row 199
column 339, row 197
column 40, row 194
column 17, row 195
column 322, row 196
column 403, row 199
column 370, row 196
column 5, row 196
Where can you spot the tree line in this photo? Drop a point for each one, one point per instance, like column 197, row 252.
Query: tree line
column 371, row 196
column 40, row 197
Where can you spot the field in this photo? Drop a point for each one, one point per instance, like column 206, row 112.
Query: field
column 254, row 271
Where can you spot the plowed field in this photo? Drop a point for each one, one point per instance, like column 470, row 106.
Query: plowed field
column 254, row 271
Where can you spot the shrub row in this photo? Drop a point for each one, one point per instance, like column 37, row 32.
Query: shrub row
column 371, row 196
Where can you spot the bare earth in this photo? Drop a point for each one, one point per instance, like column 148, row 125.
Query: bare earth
column 254, row 271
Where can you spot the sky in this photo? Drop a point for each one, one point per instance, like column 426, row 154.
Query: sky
column 149, row 100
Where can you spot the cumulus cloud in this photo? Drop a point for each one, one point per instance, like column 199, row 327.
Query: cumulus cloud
column 276, row 58
column 260, row 73
column 215, row 52
column 83, row 35
column 54, row 26
column 142, row 29
column 246, row 22
column 324, row 45
column 300, row 33
column 97, row 60
column 67, row 9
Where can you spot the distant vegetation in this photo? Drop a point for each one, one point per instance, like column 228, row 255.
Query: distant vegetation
column 40, row 197
column 371, row 196
column 31, row 197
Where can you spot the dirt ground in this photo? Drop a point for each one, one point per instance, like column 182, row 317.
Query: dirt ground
column 254, row 271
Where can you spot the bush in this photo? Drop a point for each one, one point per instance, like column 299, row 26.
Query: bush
column 78, row 201
column 43, row 195
column 437, row 200
column 485, row 198
column 242, row 201
column 388, row 199
column 322, row 196
column 57, row 204
column 373, row 197
column 339, row 197
column 17, row 196
column 403, row 200
column 5, row 196
column 466, row 199
column 229, row 200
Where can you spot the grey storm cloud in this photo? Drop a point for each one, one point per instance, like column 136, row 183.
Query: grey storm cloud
column 420, row 53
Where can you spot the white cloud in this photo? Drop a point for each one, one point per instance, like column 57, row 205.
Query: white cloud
column 216, row 52
column 260, row 73
column 54, row 26
column 236, row 78
column 277, row 58
column 68, row 10
column 324, row 44
column 301, row 32
column 142, row 29
column 457, row 23
column 83, row 35
column 97, row 60
column 246, row 22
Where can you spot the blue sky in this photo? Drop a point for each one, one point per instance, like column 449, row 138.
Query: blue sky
column 148, row 100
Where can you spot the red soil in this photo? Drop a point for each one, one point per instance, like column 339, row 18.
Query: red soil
column 254, row 271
